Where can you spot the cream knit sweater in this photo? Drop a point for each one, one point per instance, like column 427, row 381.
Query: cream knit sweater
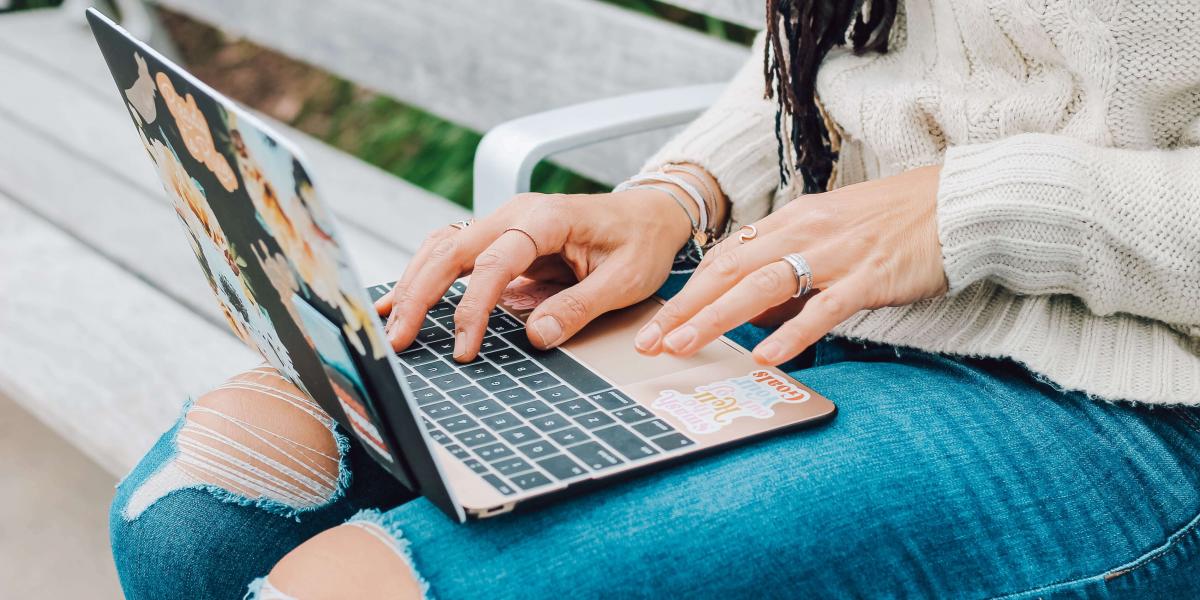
column 1069, row 204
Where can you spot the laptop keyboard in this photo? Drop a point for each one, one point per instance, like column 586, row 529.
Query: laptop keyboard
column 523, row 418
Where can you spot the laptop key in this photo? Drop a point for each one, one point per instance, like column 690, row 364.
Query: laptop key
column 429, row 335
column 417, row 356
column 561, row 467
column 503, row 356
column 496, row 383
column 550, row 422
column 479, row 369
column 427, row 395
column 500, row 421
column 494, row 452
column 530, row 480
column 557, row 393
column 611, row 400
column 594, row 455
column 500, row 486
column 514, row 396
column 458, row 287
column 467, row 394
column 475, row 465
column 458, row 451
column 558, row 362
column 522, row 368
column 444, row 348
column 520, row 435
column 672, row 441
column 594, row 420
column 435, row 368
column 632, row 414
column 440, row 309
column 484, row 408
column 449, row 382
column 457, row 423
column 575, row 407
column 441, row 409
column 510, row 466
column 653, row 428
column 625, row 441
column 536, row 450
column 475, row 437
column 502, row 323
column 491, row 343
column 440, row 436
column 533, row 408
column 569, row 436
column 540, row 381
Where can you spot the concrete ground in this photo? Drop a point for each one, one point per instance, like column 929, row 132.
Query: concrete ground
column 53, row 515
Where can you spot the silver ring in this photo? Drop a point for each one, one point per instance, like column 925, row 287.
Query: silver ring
column 460, row 225
column 747, row 233
column 804, row 274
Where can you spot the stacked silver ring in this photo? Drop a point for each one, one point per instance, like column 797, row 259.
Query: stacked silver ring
column 804, row 274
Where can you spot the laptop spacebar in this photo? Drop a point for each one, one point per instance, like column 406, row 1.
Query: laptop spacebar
column 556, row 361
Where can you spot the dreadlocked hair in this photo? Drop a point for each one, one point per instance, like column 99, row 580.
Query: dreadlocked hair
column 799, row 35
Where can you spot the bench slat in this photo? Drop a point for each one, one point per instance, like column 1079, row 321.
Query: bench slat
column 383, row 217
column 85, row 348
column 364, row 196
column 481, row 63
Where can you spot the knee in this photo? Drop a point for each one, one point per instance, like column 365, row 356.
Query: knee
column 261, row 438
column 200, row 515
column 363, row 558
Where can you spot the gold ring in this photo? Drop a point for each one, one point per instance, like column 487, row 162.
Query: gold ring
column 747, row 233
column 460, row 225
column 536, row 251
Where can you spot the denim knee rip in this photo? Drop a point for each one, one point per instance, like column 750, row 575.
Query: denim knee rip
column 203, row 458
column 379, row 526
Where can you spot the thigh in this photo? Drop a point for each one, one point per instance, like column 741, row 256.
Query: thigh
column 937, row 478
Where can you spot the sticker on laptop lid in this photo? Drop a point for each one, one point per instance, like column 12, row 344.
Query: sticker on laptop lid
column 343, row 374
column 714, row 406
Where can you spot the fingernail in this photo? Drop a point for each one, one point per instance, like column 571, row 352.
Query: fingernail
column 648, row 336
column 548, row 329
column 769, row 352
column 680, row 338
column 460, row 344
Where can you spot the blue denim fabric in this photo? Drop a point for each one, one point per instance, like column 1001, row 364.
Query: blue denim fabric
column 940, row 476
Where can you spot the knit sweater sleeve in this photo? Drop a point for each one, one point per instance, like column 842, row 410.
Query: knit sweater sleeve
column 734, row 140
column 1046, row 214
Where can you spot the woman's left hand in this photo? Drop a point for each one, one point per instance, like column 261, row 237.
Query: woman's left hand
column 869, row 245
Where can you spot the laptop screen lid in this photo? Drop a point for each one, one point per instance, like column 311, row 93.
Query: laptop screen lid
column 271, row 255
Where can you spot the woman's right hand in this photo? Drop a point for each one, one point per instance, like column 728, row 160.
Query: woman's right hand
column 613, row 250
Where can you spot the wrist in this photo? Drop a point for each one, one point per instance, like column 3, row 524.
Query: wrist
column 662, row 212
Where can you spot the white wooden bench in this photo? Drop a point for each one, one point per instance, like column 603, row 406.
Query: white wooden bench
column 105, row 325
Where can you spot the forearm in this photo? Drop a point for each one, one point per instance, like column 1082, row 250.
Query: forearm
column 1044, row 214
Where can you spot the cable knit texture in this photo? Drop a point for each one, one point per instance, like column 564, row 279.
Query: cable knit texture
column 1069, row 205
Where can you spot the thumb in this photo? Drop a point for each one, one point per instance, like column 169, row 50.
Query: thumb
column 565, row 313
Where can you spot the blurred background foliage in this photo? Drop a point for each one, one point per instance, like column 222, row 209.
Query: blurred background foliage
column 403, row 140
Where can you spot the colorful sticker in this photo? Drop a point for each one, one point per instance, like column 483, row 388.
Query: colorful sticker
column 714, row 406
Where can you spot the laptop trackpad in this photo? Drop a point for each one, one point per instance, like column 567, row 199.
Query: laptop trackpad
column 606, row 344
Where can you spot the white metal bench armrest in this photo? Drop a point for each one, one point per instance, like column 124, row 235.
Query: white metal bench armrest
column 506, row 156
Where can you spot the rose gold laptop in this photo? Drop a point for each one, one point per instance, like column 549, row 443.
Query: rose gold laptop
column 515, row 426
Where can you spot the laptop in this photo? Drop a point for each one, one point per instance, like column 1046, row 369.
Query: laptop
column 514, row 428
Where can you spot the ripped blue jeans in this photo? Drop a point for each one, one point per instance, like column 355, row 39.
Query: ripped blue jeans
column 940, row 477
